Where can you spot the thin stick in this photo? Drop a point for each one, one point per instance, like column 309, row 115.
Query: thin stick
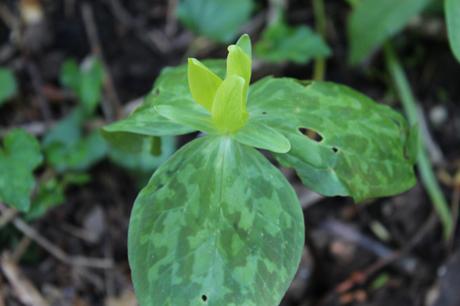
column 25, row 291
column 171, row 20
column 7, row 217
column 99, row 263
column 112, row 109
column 37, row 84
column 423, row 162
column 319, row 68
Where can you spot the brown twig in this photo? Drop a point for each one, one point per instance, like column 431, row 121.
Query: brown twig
column 7, row 217
column 121, row 14
column 386, row 255
column 111, row 107
column 171, row 20
column 24, row 289
column 21, row 248
column 99, row 263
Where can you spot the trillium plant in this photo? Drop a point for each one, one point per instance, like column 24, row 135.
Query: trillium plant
column 218, row 224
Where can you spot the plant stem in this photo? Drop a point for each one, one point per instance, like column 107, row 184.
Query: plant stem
column 424, row 165
column 319, row 68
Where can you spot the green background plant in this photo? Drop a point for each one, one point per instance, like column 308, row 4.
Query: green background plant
column 8, row 86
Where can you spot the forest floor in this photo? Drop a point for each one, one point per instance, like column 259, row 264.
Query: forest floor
column 388, row 251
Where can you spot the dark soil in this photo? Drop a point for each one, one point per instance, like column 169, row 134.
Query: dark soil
column 384, row 252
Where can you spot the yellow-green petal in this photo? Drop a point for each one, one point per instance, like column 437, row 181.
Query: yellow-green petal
column 239, row 63
column 244, row 42
column 229, row 109
column 203, row 83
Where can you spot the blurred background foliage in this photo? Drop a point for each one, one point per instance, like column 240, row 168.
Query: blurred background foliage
column 67, row 68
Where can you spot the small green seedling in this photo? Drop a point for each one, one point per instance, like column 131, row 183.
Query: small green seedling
column 8, row 86
column 19, row 156
column 372, row 22
column 218, row 224
column 281, row 42
column 218, row 20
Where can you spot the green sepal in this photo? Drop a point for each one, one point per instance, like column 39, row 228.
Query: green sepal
column 262, row 136
column 190, row 117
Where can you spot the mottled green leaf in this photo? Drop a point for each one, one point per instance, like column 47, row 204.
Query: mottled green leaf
column 364, row 148
column 452, row 11
column 171, row 88
column 281, row 43
column 19, row 157
column 219, row 20
column 8, row 86
column 216, row 225
column 372, row 22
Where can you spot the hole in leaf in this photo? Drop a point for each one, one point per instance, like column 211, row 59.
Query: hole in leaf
column 313, row 135
column 335, row 150
column 159, row 186
column 204, row 298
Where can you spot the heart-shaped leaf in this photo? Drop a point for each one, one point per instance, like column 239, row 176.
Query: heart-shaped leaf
column 216, row 225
